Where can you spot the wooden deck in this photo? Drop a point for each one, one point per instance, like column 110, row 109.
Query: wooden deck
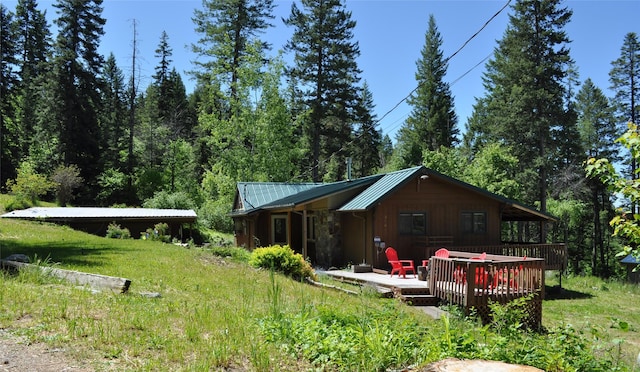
column 472, row 284
column 410, row 290
column 554, row 255
column 475, row 284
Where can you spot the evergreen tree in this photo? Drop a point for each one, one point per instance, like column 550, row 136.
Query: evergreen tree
column 77, row 67
column 367, row 142
column 525, row 92
column 165, row 121
column 34, row 42
column 625, row 81
column 386, row 151
column 227, row 28
column 432, row 123
column 598, row 133
column 161, row 78
column 113, row 117
column 8, row 90
column 327, row 73
column 596, row 123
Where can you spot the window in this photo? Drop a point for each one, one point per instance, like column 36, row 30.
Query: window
column 474, row 222
column 279, row 229
column 412, row 223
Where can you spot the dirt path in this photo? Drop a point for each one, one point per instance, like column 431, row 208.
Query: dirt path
column 16, row 355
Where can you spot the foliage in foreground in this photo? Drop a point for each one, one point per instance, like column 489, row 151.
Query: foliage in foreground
column 222, row 314
column 627, row 222
column 378, row 339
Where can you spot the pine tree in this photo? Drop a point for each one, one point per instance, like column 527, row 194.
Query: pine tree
column 8, row 90
column 227, row 28
column 598, row 133
column 161, row 77
column 596, row 123
column 77, row 67
column 525, row 92
column 433, row 122
column 34, row 43
column 625, row 81
column 326, row 70
column 113, row 117
column 367, row 142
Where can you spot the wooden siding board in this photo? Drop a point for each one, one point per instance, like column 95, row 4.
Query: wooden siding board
column 443, row 204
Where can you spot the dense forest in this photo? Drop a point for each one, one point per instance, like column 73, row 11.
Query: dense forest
column 75, row 127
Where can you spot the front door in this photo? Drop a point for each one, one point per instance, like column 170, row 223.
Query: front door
column 279, row 233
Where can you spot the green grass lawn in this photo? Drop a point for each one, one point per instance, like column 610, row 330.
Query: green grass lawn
column 216, row 312
column 602, row 309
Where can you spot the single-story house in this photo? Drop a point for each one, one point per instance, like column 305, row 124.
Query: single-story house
column 414, row 210
column 96, row 220
column 632, row 264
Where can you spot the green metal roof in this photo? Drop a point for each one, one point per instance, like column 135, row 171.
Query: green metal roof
column 322, row 191
column 511, row 211
column 254, row 195
column 384, row 186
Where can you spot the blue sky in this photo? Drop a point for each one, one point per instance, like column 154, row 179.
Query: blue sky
column 390, row 34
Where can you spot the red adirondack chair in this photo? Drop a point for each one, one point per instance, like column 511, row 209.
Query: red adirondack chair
column 399, row 267
column 442, row 252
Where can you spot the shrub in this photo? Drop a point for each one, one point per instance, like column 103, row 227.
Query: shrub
column 170, row 200
column 158, row 233
column 17, row 203
column 66, row 179
column 214, row 214
column 113, row 186
column 115, row 231
column 239, row 254
column 29, row 185
column 282, row 259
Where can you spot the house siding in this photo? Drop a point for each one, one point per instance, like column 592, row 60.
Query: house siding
column 443, row 204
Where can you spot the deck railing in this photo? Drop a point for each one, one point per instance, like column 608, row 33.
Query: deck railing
column 474, row 284
column 554, row 255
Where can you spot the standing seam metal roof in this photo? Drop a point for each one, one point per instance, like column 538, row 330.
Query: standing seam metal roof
column 384, row 186
column 322, row 191
column 254, row 195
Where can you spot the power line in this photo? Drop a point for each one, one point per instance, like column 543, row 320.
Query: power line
column 420, row 83
column 398, row 122
column 449, row 58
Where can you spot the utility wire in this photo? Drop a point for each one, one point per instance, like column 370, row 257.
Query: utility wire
column 398, row 122
column 449, row 58
column 420, row 83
